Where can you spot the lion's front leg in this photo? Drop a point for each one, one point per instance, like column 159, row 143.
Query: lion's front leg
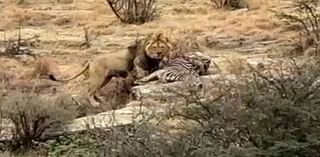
column 141, row 73
column 138, row 66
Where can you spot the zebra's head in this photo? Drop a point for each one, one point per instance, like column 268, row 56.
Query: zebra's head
column 201, row 60
column 206, row 61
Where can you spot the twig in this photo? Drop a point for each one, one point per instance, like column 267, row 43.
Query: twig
column 133, row 11
column 86, row 38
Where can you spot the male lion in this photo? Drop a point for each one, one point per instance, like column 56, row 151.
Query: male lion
column 155, row 51
column 103, row 68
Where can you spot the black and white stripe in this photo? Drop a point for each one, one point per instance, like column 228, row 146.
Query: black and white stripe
column 184, row 69
column 183, row 64
column 187, row 68
column 177, row 73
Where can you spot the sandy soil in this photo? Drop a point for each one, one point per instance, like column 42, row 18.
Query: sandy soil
column 60, row 29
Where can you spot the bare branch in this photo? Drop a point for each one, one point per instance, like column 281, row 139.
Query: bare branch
column 133, row 11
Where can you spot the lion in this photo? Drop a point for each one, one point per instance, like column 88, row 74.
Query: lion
column 42, row 67
column 155, row 51
column 139, row 56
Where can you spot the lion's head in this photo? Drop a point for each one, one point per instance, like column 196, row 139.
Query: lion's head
column 158, row 46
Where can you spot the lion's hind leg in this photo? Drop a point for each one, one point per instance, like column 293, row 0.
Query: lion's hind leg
column 95, row 83
column 91, row 97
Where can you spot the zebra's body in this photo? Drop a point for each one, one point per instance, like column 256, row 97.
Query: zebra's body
column 178, row 70
column 187, row 68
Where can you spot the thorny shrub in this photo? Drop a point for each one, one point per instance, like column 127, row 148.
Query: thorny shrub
column 134, row 11
column 304, row 17
column 229, row 4
column 19, row 46
column 32, row 115
column 267, row 115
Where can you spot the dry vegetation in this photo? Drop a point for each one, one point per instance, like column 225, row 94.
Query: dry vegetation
column 60, row 28
column 74, row 31
column 32, row 115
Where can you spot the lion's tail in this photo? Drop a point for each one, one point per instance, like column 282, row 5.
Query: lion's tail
column 86, row 67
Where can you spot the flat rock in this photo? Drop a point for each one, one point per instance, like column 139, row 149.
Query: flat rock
column 108, row 119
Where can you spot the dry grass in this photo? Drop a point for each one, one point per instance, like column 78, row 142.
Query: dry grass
column 59, row 26
column 236, row 65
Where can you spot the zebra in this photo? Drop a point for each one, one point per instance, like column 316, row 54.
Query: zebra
column 186, row 68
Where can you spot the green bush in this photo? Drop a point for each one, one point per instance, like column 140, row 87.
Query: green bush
column 131, row 140
column 73, row 146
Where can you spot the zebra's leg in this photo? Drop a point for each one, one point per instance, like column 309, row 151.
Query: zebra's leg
column 152, row 76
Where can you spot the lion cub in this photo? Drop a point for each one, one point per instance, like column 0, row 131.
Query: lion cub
column 42, row 67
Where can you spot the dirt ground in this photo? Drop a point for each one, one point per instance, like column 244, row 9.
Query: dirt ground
column 60, row 30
